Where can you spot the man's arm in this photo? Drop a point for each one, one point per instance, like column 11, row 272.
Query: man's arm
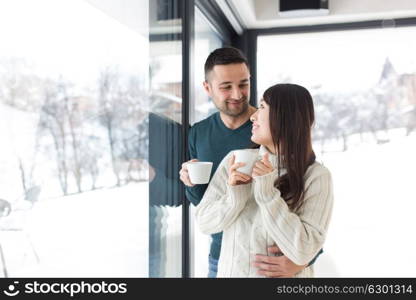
column 279, row 266
column 193, row 193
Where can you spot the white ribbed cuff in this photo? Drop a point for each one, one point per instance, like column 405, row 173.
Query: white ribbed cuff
column 239, row 193
column 264, row 189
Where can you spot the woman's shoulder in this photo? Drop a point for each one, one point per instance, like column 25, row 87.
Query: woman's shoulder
column 316, row 170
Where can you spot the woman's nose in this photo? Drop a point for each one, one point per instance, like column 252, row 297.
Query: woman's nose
column 253, row 117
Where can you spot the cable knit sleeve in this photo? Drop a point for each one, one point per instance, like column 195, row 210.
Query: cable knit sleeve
column 221, row 204
column 299, row 235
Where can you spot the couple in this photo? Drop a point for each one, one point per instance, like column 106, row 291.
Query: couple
column 283, row 208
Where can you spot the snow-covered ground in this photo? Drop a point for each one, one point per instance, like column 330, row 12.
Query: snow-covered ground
column 372, row 229
column 95, row 234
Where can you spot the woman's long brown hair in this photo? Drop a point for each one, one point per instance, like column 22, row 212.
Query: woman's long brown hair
column 291, row 118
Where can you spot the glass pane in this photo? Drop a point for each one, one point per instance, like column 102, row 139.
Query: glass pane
column 364, row 88
column 206, row 40
column 165, row 142
column 74, row 155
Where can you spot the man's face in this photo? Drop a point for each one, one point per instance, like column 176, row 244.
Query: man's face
column 229, row 87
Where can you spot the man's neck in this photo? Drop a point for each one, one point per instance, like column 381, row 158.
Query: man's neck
column 235, row 122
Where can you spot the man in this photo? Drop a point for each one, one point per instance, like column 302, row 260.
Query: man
column 227, row 82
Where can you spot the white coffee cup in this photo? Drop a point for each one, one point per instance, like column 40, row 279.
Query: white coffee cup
column 247, row 157
column 199, row 171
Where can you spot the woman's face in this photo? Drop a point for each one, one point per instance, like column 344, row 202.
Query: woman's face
column 261, row 126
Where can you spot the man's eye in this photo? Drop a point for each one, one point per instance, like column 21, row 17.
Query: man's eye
column 243, row 85
column 226, row 87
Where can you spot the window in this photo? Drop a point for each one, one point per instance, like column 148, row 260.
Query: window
column 165, row 139
column 206, row 40
column 364, row 87
column 74, row 127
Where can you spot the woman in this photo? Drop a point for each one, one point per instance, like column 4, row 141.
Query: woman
column 286, row 201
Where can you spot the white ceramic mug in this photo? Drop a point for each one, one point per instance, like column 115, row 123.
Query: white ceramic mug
column 199, row 171
column 247, row 157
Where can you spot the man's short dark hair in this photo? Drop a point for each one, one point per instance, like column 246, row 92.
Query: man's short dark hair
column 224, row 56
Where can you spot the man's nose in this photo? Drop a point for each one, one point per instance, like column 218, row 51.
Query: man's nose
column 236, row 93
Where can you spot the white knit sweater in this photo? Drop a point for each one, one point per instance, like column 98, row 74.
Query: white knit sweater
column 254, row 216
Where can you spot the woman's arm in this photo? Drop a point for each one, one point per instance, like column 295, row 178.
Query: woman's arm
column 299, row 235
column 221, row 203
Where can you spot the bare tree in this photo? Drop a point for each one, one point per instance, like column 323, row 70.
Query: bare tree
column 62, row 117
column 108, row 86
column 73, row 114
column 123, row 112
column 19, row 86
column 89, row 160
column 408, row 94
column 19, row 89
column 52, row 120
column 138, row 101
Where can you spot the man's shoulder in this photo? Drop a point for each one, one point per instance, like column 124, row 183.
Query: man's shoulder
column 204, row 123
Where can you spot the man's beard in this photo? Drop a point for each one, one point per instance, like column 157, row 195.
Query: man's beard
column 236, row 112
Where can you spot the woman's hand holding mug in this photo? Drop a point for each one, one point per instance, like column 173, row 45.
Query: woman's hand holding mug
column 262, row 167
column 235, row 177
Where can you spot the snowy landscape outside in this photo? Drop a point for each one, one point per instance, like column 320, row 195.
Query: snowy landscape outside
column 74, row 108
column 363, row 83
column 74, row 129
